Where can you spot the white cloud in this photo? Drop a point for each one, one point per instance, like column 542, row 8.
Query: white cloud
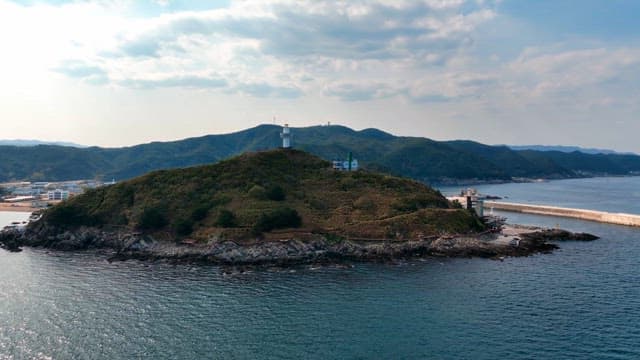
column 263, row 42
column 358, row 60
column 574, row 70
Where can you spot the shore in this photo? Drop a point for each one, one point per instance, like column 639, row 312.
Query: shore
column 17, row 207
column 297, row 248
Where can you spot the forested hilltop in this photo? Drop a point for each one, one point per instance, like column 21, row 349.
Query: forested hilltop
column 419, row 158
column 258, row 192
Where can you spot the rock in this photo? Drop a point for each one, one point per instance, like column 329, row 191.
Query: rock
column 9, row 241
column 315, row 249
column 558, row 235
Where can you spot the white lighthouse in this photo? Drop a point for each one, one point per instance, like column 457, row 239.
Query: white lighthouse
column 286, row 137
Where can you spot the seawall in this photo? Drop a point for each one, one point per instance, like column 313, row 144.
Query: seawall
column 591, row 215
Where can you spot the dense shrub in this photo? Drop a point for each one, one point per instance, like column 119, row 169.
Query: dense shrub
column 200, row 213
column 68, row 214
column 184, row 227
column 152, row 219
column 226, row 219
column 278, row 219
column 275, row 193
column 420, row 202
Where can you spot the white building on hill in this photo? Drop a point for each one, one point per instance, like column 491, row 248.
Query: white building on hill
column 350, row 164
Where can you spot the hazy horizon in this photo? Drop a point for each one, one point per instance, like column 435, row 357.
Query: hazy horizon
column 117, row 73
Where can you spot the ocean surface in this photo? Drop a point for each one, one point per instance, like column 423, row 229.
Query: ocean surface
column 581, row 302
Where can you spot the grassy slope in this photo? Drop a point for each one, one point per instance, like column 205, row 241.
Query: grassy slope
column 358, row 204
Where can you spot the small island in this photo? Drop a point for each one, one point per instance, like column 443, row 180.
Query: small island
column 275, row 207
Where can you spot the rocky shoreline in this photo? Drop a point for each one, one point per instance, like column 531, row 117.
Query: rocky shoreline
column 123, row 245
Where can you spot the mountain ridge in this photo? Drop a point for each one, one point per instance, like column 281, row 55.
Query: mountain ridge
column 422, row 159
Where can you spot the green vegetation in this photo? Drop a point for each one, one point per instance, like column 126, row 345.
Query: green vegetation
column 278, row 219
column 183, row 227
column 70, row 214
column 275, row 193
column 419, row 158
column 226, row 219
column 200, row 213
column 152, row 219
column 265, row 191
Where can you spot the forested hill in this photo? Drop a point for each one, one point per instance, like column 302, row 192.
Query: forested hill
column 419, row 158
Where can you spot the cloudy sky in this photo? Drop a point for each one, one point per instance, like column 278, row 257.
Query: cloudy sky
column 122, row 72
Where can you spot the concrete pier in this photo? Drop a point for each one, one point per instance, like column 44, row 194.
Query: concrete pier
column 591, row 215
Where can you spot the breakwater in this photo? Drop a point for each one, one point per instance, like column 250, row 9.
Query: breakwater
column 591, row 215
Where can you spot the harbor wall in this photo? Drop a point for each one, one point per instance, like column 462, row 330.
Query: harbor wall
column 591, row 215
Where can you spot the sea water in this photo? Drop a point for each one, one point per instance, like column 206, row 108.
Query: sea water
column 581, row 302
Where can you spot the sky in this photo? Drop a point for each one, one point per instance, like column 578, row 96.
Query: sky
column 123, row 72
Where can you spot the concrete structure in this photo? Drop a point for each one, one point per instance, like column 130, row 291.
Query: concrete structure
column 470, row 200
column 591, row 215
column 286, row 137
column 58, row 194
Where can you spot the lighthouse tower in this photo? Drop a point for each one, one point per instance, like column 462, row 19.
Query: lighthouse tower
column 286, row 137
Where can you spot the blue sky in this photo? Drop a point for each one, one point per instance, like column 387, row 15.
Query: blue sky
column 122, row 72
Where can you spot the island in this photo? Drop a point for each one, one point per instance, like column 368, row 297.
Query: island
column 276, row 207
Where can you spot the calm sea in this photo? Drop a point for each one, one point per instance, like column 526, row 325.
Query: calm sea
column 582, row 302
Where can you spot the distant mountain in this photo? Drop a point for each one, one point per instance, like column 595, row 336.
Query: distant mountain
column 566, row 149
column 419, row 158
column 38, row 142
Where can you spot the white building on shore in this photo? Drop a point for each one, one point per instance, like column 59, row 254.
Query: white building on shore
column 58, row 194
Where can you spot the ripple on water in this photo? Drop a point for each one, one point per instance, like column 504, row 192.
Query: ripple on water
column 580, row 302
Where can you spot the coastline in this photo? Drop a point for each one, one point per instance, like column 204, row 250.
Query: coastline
column 297, row 249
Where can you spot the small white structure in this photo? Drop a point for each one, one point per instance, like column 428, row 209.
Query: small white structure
column 286, row 137
column 344, row 165
column 348, row 165
column 58, row 194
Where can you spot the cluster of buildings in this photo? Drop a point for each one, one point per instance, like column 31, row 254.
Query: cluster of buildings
column 39, row 194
